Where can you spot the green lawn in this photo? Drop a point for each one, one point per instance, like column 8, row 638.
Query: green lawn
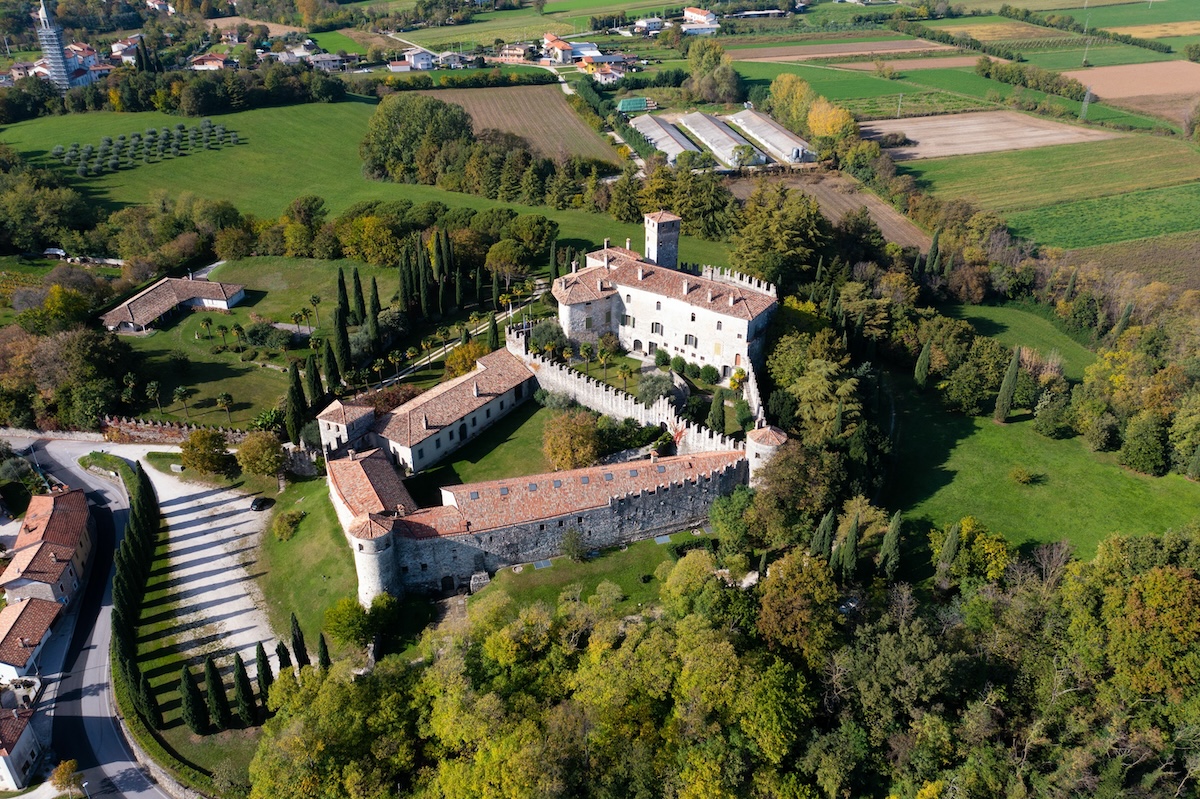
column 287, row 152
column 1041, row 176
column 1103, row 220
column 333, row 41
column 512, row 447
column 278, row 286
column 597, row 372
column 1015, row 327
column 627, row 569
column 949, row 466
column 815, row 39
column 834, row 84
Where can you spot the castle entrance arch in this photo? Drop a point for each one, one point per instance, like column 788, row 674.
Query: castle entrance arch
column 637, row 345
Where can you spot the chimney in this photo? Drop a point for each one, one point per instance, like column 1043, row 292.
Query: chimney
column 685, row 287
column 641, row 273
column 606, row 257
column 710, row 295
column 54, row 557
column 574, row 266
column 628, row 244
column 14, row 712
column 475, row 389
column 352, row 453
column 606, row 244
column 600, row 281
column 424, row 421
column 730, row 300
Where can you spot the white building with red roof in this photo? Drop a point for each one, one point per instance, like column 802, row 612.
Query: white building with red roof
column 19, row 748
column 149, row 305
column 52, row 548
column 24, row 630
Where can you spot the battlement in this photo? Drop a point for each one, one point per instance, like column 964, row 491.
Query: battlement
column 738, row 279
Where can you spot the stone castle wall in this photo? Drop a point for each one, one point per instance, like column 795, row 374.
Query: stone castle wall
column 122, row 430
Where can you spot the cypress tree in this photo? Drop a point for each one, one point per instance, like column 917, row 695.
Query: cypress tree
column 553, row 261
column 265, row 676
column 293, row 411
column 949, row 265
column 1007, row 388
column 281, row 654
column 465, row 338
column 1123, row 322
column 917, row 269
column 243, row 693
column 341, row 343
column 848, row 553
column 403, row 293
column 441, row 295
column 829, row 304
column 495, row 291
column 333, row 376
column 1070, row 292
column 343, row 304
column 373, row 332
column 323, row 653
column 218, row 701
column 373, row 306
column 822, row 537
column 921, row 373
column 934, row 256
column 358, row 311
column 296, row 385
column 298, row 646
column 151, row 711
column 478, row 284
column 439, row 267
column 716, row 411
column 889, row 551
column 493, row 334
column 193, row 709
column 949, row 552
column 423, row 281
column 312, row 381
column 820, row 269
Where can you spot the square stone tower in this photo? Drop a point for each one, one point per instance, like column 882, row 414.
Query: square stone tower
column 662, row 239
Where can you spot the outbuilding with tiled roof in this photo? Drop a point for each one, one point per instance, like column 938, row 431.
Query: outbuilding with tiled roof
column 148, row 306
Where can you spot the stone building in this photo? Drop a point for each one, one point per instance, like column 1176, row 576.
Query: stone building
column 714, row 318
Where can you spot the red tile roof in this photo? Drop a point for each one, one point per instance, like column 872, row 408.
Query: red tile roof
column 22, row 625
column 59, row 518
column 520, row 500
column 446, row 404
column 41, row 563
column 369, row 484
column 148, row 305
column 769, row 436
column 12, row 726
column 663, row 216
column 344, row 413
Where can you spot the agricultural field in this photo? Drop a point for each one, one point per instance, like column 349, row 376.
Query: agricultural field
column 1100, row 53
column 1171, row 258
column 273, row 137
column 838, row 194
column 997, row 29
column 811, row 40
column 835, row 84
column 1102, row 220
column 803, row 52
column 538, row 114
column 977, row 6
column 994, row 131
column 335, row 41
column 905, row 64
column 1168, row 89
column 1115, row 16
column 1034, row 179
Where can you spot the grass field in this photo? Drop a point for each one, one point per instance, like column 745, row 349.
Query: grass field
column 949, row 466
column 834, row 84
column 1042, row 176
column 1171, row 258
column 527, row 112
column 290, row 151
column 746, row 49
column 1065, row 6
column 1103, row 220
column 279, row 286
column 994, row 29
column 1105, row 56
column 1015, row 327
column 1124, row 14
column 334, row 41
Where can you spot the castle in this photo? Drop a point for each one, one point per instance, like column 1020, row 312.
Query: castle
column 716, row 318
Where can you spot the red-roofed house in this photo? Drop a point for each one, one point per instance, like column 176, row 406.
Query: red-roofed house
column 19, row 749
column 52, row 548
column 24, row 630
column 148, row 306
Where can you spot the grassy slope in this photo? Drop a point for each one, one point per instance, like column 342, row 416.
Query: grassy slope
column 1170, row 258
column 1042, row 176
column 334, row 41
column 1104, row 220
column 305, row 149
column 1014, row 327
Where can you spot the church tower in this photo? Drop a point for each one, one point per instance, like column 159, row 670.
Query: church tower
column 662, row 239
column 50, row 39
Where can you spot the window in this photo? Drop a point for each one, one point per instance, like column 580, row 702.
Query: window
column 584, row 480
column 533, row 486
column 437, row 443
column 718, row 324
column 661, row 469
column 656, row 327
column 451, row 433
column 716, row 348
column 628, row 298
column 558, row 483
column 501, row 404
column 693, row 317
column 504, row 491
column 579, row 520
column 474, row 421
column 587, row 323
column 541, row 527
column 689, row 341
column 560, row 522
column 658, row 306
column 421, row 452
column 488, row 414
column 474, row 495
column 633, row 472
column 608, row 477
column 608, row 317
column 424, row 566
column 628, row 320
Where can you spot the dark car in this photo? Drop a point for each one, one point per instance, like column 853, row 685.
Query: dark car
column 260, row 503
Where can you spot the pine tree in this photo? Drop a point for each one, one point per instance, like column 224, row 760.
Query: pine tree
column 264, row 674
column 323, row 653
column 193, row 709
column 218, row 700
column 333, row 375
column 243, row 693
column 493, row 334
column 298, row 647
column 921, row 373
column 343, row 304
column 148, row 704
column 1007, row 388
column 889, row 551
column 533, row 192
column 341, row 343
column 358, row 311
column 822, row 538
column 312, row 381
column 281, row 654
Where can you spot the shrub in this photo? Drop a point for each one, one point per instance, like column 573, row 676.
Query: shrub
column 1052, row 418
column 661, row 358
column 653, row 386
column 249, row 355
column 610, row 342
column 710, row 375
column 1019, row 474
column 678, row 365
column 1145, row 447
column 692, row 370
column 217, row 349
column 285, row 524
column 264, row 334
column 1103, row 434
column 572, row 545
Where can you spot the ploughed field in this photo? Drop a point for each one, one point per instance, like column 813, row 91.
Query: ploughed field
column 990, row 131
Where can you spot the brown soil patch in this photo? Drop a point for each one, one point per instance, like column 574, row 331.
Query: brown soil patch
column 1138, row 80
column 1161, row 30
column 801, row 52
column 905, row 64
column 985, row 132
column 1171, row 107
column 274, row 28
column 369, row 39
column 1171, row 258
column 838, row 195
column 998, row 31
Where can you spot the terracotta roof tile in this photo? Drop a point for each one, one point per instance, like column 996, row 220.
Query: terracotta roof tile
column 42, row 563
column 12, row 726
column 148, row 305
column 22, row 625
column 769, row 436
column 663, row 216
column 717, row 296
column 369, row 484
column 344, row 413
column 447, row 404
column 59, row 518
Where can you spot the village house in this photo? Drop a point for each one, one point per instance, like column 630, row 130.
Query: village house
column 327, row 62
column 419, row 59
column 126, row 49
column 699, row 16
column 164, row 297
column 19, row 749
column 649, row 25
column 52, row 549
column 24, row 630
column 209, row 62
column 399, row 66
column 514, row 52
column 451, row 60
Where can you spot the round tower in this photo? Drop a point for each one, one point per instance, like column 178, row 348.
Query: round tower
column 374, row 560
column 761, row 445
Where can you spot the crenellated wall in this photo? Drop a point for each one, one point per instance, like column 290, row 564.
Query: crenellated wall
column 739, row 279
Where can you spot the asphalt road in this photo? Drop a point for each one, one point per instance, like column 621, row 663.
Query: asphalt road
column 84, row 725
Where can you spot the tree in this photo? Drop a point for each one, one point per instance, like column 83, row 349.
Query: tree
column 796, row 607
column 222, row 330
column 295, row 408
column 822, row 537
column 67, row 777
column 358, row 309
column 180, row 395
column 154, row 393
column 205, row 325
column 846, row 556
column 343, row 299
column 791, row 97
column 238, row 332
column 571, row 440
column 727, row 515
column 225, row 402
column 348, row 623
column 147, row 701
column 341, row 345
column 218, row 700
column 462, row 359
column 314, row 300
column 298, row 647
column 625, row 206
column 243, row 693
column 1145, row 446
column 829, row 121
column 192, row 707
column 281, row 654
column 506, row 260
column 1007, row 388
column 889, row 551
column 333, row 376
column 921, row 372
column 323, row 653
column 262, row 667
column 312, row 381
column 944, row 560
column 405, row 130
column 716, row 412
column 493, row 334
column 260, row 453
column 205, row 451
